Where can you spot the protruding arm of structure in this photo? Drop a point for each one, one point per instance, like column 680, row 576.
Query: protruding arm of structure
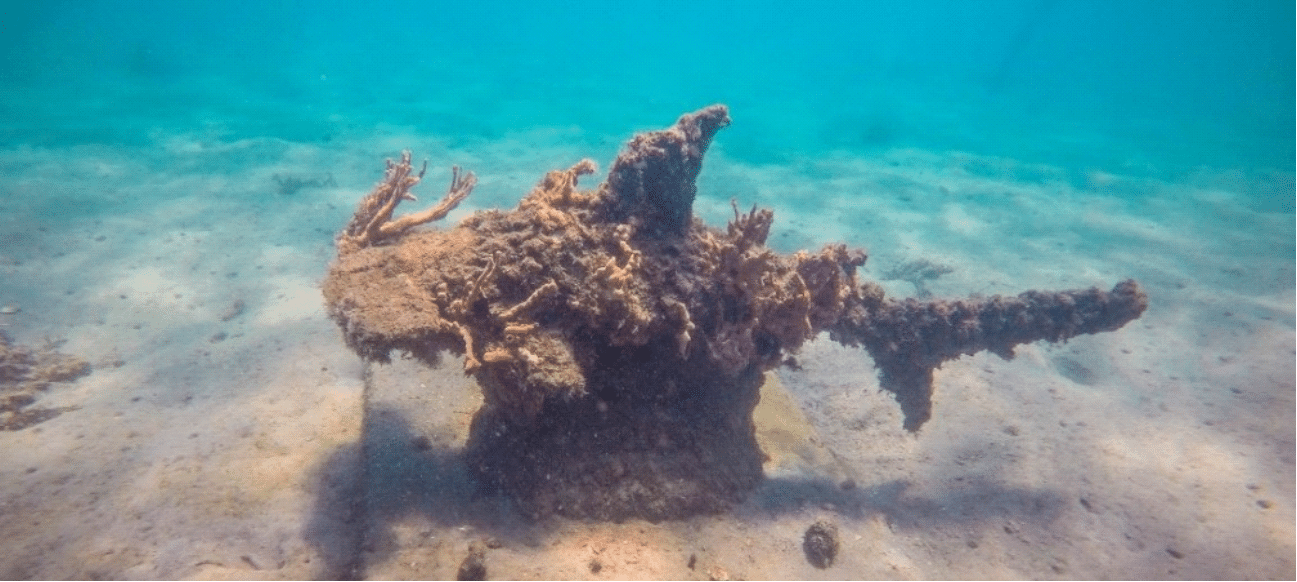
column 908, row 339
column 542, row 298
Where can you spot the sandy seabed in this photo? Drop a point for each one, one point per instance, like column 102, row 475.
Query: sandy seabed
column 226, row 431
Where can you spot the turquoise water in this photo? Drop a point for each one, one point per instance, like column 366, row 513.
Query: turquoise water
column 1145, row 88
column 147, row 226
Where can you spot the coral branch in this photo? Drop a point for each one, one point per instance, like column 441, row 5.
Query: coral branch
column 372, row 223
column 686, row 326
column 471, row 363
column 751, row 229
column 459, row 306
column 540, row 294
column 460, row 187
column 908, row 339
column 558, row 188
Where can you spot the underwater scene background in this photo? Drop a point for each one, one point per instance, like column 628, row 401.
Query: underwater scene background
column 177, row 402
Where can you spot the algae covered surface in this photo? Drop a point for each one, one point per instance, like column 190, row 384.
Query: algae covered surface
column 620, row 341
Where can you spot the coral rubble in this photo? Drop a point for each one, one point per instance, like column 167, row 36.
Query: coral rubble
column 24, row 374
column 821, row 543
column 620, row 341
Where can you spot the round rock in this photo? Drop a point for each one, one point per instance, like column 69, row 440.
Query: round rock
column 821, row 544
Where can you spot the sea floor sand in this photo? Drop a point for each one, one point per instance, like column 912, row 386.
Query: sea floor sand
column 226, row 432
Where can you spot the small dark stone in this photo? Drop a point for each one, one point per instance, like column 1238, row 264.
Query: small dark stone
column 421, row 443
column 595, row 566
column 1264, row 503
column 474, row 565
column 848, row 485
column 1174, row 553
column 693, row 561
column 821, row 544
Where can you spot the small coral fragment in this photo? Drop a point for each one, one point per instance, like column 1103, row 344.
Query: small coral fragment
column 917, row 272
column 25, row 373
column 821, row 543
column 687, row 326
column 373, row 224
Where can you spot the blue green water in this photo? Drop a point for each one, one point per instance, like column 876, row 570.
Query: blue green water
column 1156, row 89
column 145, row 227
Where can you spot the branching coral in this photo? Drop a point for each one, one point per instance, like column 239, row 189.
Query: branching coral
column 620, row 342
column 373, row 224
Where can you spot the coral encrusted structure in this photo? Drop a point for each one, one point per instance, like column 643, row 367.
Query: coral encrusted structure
column 620, row 342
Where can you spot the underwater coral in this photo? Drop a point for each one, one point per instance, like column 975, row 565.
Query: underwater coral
column 620, row 342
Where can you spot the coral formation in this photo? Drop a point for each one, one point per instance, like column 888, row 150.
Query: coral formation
column 24, row 374
column 620, row 341
column 909, row 339
column 821, row 544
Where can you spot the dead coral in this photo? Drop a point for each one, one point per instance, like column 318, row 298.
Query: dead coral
column 373, row 224
column 614, row 319
column 25, row 373
column 909, row 339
